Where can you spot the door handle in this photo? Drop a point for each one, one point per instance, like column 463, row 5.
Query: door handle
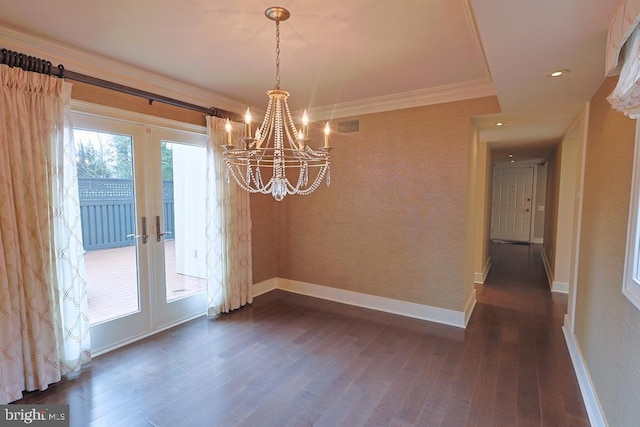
column 143, row 223
column 158, row 233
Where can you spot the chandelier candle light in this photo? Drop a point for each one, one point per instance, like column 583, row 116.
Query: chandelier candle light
column 277, row 148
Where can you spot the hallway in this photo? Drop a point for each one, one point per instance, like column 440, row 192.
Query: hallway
column 292, row 360
column 531, row 376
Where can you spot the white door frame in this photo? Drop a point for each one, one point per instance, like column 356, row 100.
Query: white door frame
column 532, row 211
column 153, row 316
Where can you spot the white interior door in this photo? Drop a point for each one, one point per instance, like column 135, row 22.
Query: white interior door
column 142, row 214
column 511, row 207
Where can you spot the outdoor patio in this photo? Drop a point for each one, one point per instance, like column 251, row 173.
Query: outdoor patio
column 112, row 281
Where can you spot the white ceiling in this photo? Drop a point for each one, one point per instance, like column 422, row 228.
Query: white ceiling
column 338, row 57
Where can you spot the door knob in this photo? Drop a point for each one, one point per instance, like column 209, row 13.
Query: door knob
column 144, row 236
column 158, row 233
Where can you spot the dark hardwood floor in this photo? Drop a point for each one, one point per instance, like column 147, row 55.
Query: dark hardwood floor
column 290, row 360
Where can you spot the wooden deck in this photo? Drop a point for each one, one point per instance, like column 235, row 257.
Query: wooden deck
column 112, row 281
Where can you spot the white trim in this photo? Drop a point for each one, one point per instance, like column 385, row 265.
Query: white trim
column 126, row 116
column 630, row 282
column 534, row 203
column 547, row 268
column 120, row 344
column 469, row 307
column 517, row 164
column 589, row 396
column 560, row 287
column 538, row 240
column 403, row 308
column 475, row 33
column 481, row 277
column 263, row 287
column 528, row 164
column 99, row 66
column 418, row 98
column 94, row 65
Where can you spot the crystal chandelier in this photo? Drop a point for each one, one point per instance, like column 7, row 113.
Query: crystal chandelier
column 276, row 159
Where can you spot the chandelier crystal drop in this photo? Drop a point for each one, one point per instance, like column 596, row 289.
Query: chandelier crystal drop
column 276, row 159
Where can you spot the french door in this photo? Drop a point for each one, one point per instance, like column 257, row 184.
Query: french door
column 142, row 201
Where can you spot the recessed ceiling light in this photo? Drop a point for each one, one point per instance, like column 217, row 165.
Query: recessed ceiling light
column 513, row 161
column 499, row 124
column 558, row 73
column 510, row 155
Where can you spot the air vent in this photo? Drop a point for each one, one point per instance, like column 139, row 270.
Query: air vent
column 349, row 126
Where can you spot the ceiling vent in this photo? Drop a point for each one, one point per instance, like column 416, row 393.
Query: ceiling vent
column 349, row 126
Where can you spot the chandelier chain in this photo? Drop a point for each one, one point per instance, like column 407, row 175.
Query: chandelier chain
column 277, row 54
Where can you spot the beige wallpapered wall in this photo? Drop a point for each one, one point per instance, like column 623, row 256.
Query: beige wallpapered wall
column 392, row 224
column 607, row 325
column 264, row 237
column 101, row 96
column 551, row 207
column 483, row 214
column 570, row 159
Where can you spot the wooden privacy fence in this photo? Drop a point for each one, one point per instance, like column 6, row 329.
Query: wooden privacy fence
column 108, row 213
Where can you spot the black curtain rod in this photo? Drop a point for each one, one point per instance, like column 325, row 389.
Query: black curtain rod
column 42, row 66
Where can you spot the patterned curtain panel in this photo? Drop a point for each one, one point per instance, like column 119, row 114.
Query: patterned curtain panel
column 228, row 231
column 34, row 325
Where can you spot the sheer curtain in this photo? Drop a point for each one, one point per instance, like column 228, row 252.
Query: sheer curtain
column 38, row 318
column 228, row 231
column 625, row 98
column 73, row 310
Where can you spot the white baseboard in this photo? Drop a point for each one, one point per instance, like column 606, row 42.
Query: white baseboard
column 481, row 277
column 554, row 285
column 403, row 308
column 560, row 287
column 589, row 396
column 468, row 307
column 538, row 240
column 547, row 269
column 264, row 287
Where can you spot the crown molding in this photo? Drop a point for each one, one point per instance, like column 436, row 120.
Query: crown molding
column 101, row 67
column 475, row 33
column 438, row 95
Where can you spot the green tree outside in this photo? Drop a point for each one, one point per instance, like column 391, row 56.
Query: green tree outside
column 90, row 162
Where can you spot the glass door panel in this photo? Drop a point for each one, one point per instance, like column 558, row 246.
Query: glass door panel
column 142, row 198
column 111, row 169
column 184, row 169
column 178, row 245
column 108, row 220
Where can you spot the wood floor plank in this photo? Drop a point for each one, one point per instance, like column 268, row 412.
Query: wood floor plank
column 292, row 360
